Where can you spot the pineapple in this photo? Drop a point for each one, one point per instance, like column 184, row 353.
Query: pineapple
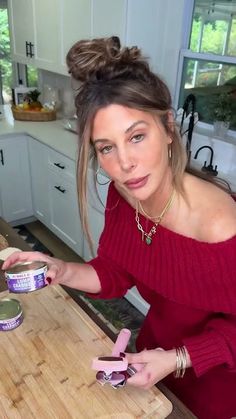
column 32, row 99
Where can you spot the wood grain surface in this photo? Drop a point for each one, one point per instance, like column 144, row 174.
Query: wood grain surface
column 46, row 370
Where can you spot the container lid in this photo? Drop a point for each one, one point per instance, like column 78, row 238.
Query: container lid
column 9, row 308
column 25, row 267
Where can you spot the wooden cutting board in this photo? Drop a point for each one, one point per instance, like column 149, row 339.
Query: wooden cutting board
column 46, row 370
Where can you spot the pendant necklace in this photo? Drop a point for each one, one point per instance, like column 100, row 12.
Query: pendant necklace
column 147, row 237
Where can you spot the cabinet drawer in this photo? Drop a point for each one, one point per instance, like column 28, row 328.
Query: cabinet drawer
column 62, row 165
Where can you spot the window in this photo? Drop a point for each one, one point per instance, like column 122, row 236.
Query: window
column 31, row 76
column 6, row 73
column 208, row 65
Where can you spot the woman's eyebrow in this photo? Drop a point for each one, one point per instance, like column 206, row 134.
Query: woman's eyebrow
column 104, row 140
column 100, row 140
column 134, row 125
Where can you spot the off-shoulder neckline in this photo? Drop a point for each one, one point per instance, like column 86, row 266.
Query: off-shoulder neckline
column 169, row 232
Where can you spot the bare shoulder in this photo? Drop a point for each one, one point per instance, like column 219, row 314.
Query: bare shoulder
column 215, row 211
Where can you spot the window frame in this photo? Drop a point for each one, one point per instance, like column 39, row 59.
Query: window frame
column 185, row 52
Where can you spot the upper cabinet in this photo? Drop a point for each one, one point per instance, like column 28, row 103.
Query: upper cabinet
column 43, row 31
column 109, row 18
column 22, row 29
column 75, row 24
column 46, row 25
column 34, row 27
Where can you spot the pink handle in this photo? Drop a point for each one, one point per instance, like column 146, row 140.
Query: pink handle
column 121, row 342
column 108, row 366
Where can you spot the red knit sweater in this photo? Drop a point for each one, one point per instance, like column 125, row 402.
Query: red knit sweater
column 191, row 289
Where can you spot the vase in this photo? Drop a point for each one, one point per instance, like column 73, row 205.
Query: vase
column 221, row 128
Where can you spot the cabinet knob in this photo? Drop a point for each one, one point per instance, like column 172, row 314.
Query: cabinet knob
column 60, row 189
column 59, row 165
column 1, row 157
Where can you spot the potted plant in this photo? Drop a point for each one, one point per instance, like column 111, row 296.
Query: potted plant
column 222, row 113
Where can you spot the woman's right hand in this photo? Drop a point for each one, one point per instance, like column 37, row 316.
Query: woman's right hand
column 56, row 272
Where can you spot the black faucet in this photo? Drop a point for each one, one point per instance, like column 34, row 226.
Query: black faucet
column 188, row 108
column 209, row 168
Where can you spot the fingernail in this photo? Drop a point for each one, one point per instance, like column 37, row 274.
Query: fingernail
column 49, row 280
column 122, row 354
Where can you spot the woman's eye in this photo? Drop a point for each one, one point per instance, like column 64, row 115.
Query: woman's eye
column 106, row 149
column 137, row 138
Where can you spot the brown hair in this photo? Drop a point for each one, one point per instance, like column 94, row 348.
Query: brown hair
column 110, row 74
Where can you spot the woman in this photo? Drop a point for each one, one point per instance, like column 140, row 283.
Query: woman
column 167, row 232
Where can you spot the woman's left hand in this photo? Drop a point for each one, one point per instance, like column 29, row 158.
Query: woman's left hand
column 152, row 365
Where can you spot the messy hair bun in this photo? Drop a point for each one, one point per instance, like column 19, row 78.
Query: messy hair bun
column 101, row 58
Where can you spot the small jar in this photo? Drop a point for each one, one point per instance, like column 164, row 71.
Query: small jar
column 26, row 276
column 11, row 314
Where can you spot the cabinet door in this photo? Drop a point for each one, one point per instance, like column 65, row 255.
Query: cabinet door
column 21, row 28
column 65, row 219
column 38, row 155
column 47, row 30
column 15, row 188
column 109, row 18
column 76, row 25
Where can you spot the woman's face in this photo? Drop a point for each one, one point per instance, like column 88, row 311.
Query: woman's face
column 132, row 148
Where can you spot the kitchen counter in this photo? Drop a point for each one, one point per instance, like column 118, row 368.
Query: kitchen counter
column 50, row 133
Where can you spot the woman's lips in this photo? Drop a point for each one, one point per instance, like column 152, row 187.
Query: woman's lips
column 136, row 183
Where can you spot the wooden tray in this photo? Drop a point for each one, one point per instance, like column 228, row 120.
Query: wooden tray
column 46, row 370
column 33, row 116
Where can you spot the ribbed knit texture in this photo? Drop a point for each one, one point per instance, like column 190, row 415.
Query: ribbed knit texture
column 191, row 288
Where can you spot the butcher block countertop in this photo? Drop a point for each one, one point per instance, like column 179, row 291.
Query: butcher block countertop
column 41, row 352
column 45, row 366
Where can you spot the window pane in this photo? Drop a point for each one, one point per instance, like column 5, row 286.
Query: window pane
column 214, row 27
column 32, row 76
column 207, row 81
column 5, row 59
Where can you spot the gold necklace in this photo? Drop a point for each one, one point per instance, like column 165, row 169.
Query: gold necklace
column 148, row 236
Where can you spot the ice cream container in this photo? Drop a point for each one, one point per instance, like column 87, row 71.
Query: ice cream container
column 11, row 314
column 26, row 276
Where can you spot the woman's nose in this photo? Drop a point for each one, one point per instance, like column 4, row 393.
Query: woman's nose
column 126, row 163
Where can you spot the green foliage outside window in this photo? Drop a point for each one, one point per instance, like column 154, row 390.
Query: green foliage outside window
column 5, row 58
column 213, row 32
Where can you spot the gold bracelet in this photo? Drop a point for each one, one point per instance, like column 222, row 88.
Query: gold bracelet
column 181, row 362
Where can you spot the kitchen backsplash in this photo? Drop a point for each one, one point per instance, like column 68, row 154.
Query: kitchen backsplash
column 63, row 84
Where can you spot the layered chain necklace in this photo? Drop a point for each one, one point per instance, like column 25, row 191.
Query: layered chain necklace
column 147, row 237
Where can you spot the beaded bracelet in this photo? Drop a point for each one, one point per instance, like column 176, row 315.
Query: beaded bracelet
column 181, row 362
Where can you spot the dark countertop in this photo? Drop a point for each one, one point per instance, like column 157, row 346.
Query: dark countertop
column 180, row 411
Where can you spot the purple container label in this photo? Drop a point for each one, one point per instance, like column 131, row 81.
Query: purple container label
column 26, row 281
column 11, row 324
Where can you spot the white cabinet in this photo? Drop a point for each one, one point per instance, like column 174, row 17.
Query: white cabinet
column 65, row 219
column 43, row 31
column 46, row 25
column 21, row 29
column 34, row 29
column 15, row 190
column 75, row 25
column 55, row 195
column 109, row 18
column 38, row 155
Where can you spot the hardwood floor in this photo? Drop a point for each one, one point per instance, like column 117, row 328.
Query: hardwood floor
column 53, row 243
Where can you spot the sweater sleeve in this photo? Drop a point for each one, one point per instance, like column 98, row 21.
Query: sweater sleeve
column 114, row 280
column 215, row 346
